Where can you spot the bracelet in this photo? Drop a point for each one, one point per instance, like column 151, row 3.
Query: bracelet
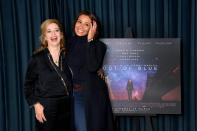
column 89, row 40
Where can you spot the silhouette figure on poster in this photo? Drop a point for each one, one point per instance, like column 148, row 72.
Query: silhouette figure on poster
column 129, row 89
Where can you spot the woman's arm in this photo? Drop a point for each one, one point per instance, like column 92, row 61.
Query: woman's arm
column 95, row 55
column 95, row 51
column 29, row 83
column 29, row 86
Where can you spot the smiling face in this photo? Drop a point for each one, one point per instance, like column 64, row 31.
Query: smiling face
column 82, row 25
column 53, row 35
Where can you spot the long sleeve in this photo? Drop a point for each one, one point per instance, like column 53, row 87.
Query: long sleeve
column 29, row 84
column 95, row 55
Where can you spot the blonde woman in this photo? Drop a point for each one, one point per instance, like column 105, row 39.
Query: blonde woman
column 48, row 81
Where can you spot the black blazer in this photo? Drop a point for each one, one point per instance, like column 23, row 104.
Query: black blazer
column 42, row 81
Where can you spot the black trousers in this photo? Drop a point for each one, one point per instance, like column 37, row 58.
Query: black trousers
column 59, row 115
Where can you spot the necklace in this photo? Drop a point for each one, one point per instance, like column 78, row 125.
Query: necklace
column 67, row 92
column 56, row 62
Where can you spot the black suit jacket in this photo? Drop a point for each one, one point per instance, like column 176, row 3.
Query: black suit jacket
column 42, row 81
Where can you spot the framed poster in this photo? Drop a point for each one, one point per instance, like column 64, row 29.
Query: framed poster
column 143, row 75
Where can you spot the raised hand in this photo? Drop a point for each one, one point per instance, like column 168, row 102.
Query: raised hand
column 92, row 31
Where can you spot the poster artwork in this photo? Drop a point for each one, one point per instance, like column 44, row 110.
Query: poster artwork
column 143, row 75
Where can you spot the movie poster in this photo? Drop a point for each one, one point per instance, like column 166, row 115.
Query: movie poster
column 143, row 75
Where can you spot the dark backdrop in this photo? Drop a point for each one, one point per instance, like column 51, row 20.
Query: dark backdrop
column 19, row 36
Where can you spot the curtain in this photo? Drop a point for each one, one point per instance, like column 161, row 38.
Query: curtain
column 20, row 22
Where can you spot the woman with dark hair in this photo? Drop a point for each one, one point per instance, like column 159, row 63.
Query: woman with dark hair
column 85, row 56
column 48, row 81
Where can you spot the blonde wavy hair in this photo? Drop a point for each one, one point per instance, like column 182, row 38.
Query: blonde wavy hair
column 44, row 43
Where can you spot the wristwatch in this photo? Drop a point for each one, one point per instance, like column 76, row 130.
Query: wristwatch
column 89, row 40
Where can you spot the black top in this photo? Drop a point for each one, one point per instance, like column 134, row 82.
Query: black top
column 42, row 80
column 76, row 58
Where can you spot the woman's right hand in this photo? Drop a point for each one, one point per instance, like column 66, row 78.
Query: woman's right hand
column 39, row 112
column 92, row 31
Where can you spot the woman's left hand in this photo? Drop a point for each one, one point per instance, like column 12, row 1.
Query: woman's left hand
column 92, row 31
column 100, row 73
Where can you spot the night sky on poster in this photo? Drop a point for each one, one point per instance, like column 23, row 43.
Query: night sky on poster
column 143, row 75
